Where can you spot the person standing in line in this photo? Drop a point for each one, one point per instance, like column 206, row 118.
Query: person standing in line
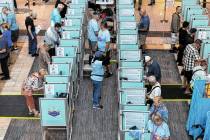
column 4, row 55
column 143, row 28
column 175, row 26
column 184, row 40
column 93, row 30
column 97, row 75
column 11, row 20
column 32, row 38
column 55, row 16
column 190, row 55
column 52, row 37
column 31, row 84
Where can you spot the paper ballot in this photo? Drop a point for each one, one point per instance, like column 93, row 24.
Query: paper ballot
column 134, row 119
column 60, row 51
column 49, row 90
column 202, row 35
column 37, row 29
column 53, row 69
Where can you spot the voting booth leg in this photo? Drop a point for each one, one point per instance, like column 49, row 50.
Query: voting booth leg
column 164, row 15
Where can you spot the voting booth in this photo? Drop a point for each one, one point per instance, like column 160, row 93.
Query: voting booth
column 62, row 84
column 133, row 114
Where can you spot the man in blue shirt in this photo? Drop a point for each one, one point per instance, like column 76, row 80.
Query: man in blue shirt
column 153, row 68
column 55, row 16
column 143, row 27
column 11, row 20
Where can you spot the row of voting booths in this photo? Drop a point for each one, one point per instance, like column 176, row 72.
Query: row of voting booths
column 133, row 113
column 62, row 83
column 199, row 113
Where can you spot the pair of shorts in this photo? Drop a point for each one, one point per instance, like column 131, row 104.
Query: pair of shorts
column 188, row 75
column 14, row 35
column 92, row 45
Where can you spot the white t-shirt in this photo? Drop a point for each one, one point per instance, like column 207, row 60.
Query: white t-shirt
column 155, row 91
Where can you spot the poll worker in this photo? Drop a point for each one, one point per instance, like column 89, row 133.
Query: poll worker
column 159, row 107
column 11, row 20
column 155, row 90
column 31, row 31
column 31, row 84
column 52, row 38
column 175, row 26
column 152, row 68
column 191, row 54
column 104, row 46
column 158, row 127
column 97, row 76
column 93, row 29
column 55, row 16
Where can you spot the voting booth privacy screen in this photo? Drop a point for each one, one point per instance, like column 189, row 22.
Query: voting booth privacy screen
column 54, row 112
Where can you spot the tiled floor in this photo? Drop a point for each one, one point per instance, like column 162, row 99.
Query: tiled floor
column 4, row 123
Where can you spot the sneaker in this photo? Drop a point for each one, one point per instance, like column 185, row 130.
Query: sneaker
column 5, row 78
column 97, row 107
column 34, row 55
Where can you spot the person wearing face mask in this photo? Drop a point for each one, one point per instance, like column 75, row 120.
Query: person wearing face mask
column 52, row 37
column 199, row 71
column 158, row 127
column 159, row 107
column 31, row 31
column 55, row 16
column 190, row 55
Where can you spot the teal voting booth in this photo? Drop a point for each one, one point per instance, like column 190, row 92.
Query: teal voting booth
column 54, row 113
column 135, row 135
column 60, row 69
column 131, row 74
column 133, row 96
column 54, row 90
column 127, row 39
column 127, row 47
column 130, row 55
column 135, row 118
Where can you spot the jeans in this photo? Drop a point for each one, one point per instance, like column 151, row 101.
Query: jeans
column 32, row 44
column 96, row 92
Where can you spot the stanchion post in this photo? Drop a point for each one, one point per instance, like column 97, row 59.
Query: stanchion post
column 164, row 14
